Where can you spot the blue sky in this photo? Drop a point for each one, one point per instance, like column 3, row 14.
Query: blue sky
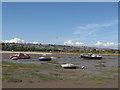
column 61, row 22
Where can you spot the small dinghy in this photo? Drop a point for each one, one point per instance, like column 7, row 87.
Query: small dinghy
column 91, row 56
column 14, row 58
column 44, row 59
column 55, row 57
column 69, row 66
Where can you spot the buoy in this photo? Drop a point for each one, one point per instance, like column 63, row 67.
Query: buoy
column 83, row 67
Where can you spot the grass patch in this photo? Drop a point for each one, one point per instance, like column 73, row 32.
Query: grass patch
column 101, row 65
column 102, row 76
column 53, row 62
column 69, row 71
column 96, row 82
column 55, row 74
column 112, row 70
column 110, row 58
column 30, row 81
column 6, row 65
column 44, row 77
column 101, row 62
column 7, row 76
column 7, row 73
column 21, row 65
column 12, row 79
column 31, row 73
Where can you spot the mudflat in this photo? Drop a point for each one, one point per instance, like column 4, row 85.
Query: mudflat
column 32, row 73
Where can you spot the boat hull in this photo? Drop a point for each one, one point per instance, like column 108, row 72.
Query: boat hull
column 88, row 57
column 14, row 58
column 70, row 67
column 45, row 59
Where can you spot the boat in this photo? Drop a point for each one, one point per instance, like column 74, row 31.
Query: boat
column 91, row 56
column 20, row 56
column 44, row 59
column 14, row 58
column 69, row 66
column 54, row 57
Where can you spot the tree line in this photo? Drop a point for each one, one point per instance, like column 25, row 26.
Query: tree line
column 9, row 47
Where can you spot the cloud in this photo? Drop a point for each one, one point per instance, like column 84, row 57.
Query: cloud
column 93, row 27
column 98, row 44
column 106, row 44
column 18, row 40
column 70, row 42
column 14, row 40
column 79, row 43
column 35, row 42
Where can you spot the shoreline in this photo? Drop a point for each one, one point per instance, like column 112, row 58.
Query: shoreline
column 51, row 53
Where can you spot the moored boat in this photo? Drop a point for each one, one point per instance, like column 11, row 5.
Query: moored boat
column 54, row 57
column 69, row 66
column 20, row 56
column 91, row 56
column 14, row 58
column 44, row 59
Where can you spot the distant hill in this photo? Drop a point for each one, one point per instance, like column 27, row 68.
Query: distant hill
column 54, row 48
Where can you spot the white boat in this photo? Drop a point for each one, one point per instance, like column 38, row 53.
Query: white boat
column 69, row 65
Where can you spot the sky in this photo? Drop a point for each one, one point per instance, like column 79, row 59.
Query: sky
column 66, row 23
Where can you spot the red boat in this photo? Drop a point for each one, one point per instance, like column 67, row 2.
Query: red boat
column 20, row 56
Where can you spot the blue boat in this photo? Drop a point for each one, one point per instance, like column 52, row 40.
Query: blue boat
column 44, row 59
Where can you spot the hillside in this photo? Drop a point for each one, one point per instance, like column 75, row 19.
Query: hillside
column 53, row 48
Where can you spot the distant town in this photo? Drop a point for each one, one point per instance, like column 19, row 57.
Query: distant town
column 54, row 48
